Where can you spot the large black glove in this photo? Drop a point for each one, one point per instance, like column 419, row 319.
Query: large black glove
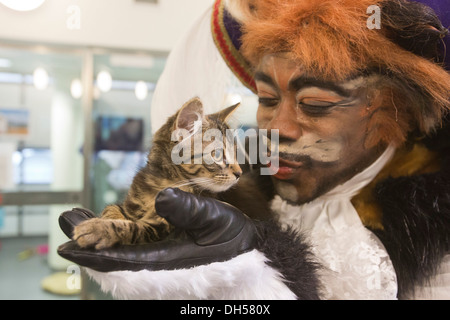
column 206, row 231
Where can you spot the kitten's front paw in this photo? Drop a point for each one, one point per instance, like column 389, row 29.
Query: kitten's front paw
column 94, row 233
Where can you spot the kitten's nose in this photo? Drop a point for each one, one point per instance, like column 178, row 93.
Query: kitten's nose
column 237, row 174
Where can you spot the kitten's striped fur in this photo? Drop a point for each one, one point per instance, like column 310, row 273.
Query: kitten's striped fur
column 135, row 220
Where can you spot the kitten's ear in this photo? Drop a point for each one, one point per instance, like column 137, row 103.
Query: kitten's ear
column 190, row 112
column 226, row 113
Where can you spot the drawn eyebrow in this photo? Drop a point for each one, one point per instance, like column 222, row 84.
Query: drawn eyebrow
column 263, row 77
column 304, row 82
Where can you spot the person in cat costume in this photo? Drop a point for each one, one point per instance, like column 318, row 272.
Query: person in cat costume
column 361, row 200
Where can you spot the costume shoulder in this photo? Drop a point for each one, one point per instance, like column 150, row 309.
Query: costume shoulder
column 416, row 215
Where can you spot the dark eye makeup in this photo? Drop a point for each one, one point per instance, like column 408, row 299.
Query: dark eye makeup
column 268, row 102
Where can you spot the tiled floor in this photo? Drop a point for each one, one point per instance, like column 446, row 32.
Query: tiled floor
column 20, row 279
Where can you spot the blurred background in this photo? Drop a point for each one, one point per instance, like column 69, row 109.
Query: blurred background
column 76, row 85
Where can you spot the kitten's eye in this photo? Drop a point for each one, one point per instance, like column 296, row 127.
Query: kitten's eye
column 217, row 155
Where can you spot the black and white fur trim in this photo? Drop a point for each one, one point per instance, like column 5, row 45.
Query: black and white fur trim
column 281, row 267
column 245, row 277
column 416, row 218
column 289, row 253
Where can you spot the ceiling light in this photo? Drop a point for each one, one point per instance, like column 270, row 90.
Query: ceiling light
column 40, row 79
column 104, row 81
column 76, row 88
column 141, row 90
column 22, row 5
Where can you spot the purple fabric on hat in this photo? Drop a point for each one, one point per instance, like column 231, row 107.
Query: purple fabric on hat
column 233, row 29
column 442, row 9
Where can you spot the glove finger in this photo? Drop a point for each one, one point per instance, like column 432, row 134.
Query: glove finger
column 173, row 254
column 177, row 207
column 188, row 211
column 207, row 220
column 152, row 256
column 68, row 220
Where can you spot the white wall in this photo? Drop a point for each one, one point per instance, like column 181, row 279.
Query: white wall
column 104, row 23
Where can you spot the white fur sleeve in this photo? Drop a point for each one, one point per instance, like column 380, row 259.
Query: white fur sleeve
column 246, row 276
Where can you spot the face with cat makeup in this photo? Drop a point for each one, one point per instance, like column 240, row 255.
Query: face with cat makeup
column 322, row 127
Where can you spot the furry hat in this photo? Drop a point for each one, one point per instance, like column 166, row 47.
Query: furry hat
column 331, row 40
column 442, row 9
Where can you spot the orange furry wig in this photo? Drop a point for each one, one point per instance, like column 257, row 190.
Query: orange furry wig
column 331, row 39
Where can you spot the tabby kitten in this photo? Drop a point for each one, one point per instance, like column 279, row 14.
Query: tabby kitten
column 135, row 220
